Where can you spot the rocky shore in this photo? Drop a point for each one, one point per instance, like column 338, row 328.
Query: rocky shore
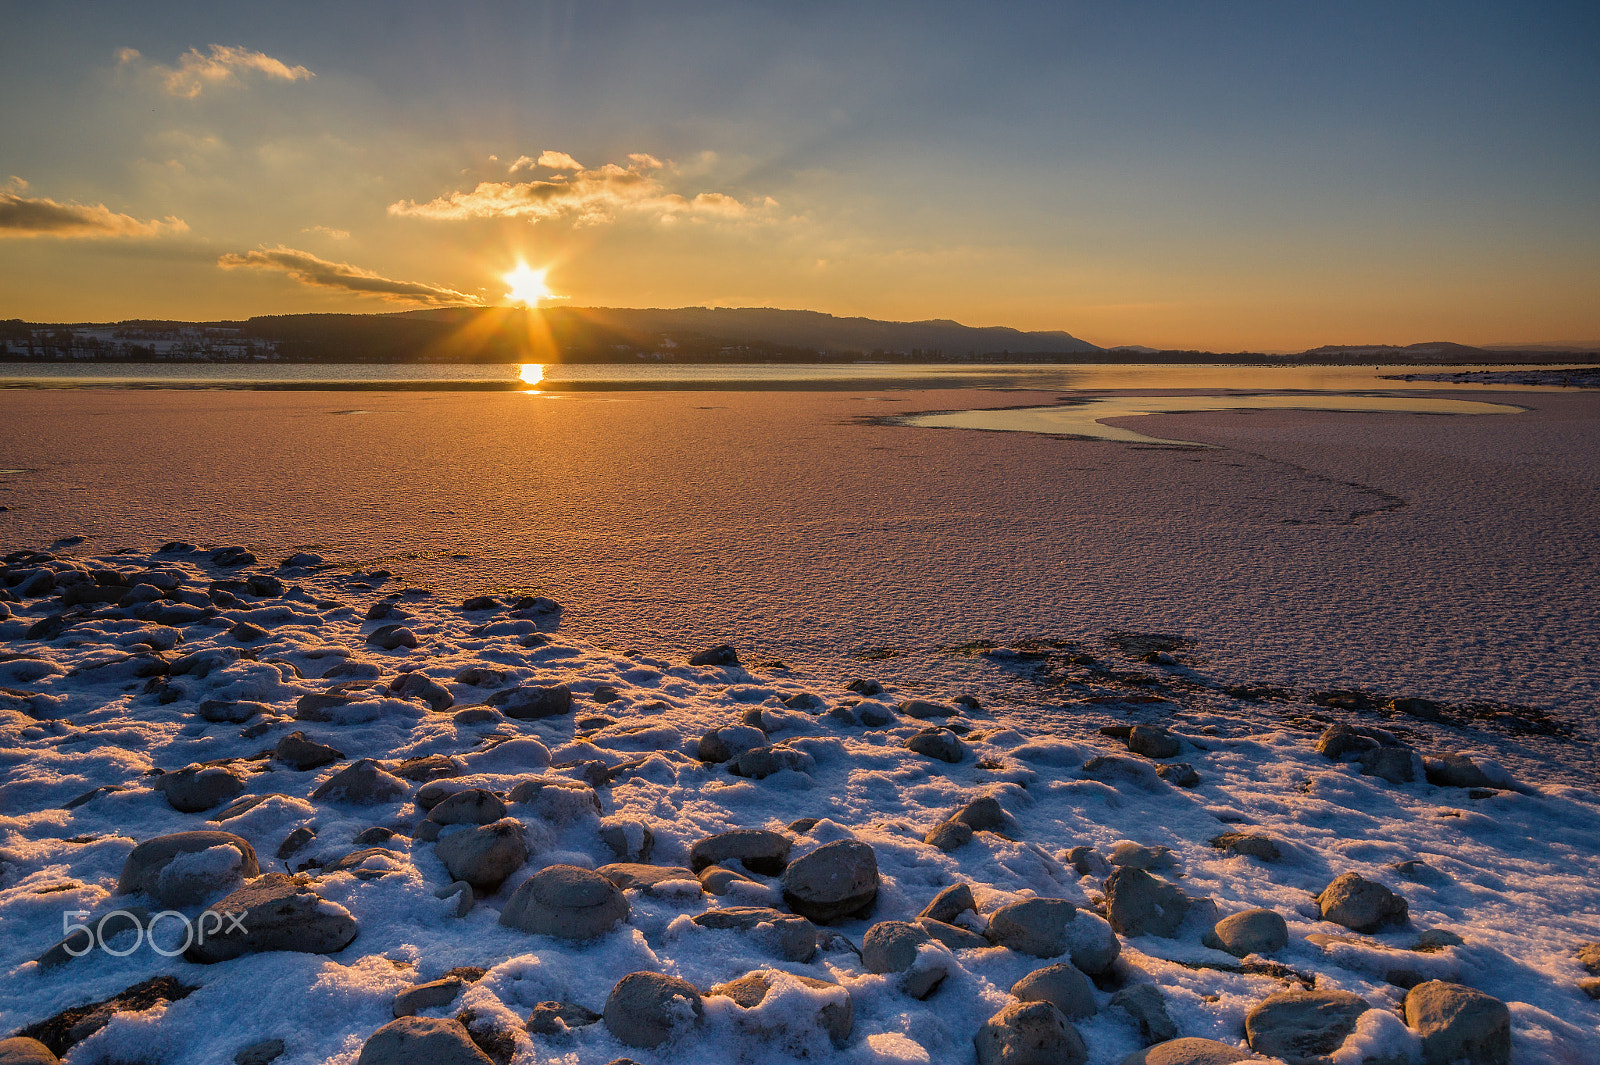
column 271, row 811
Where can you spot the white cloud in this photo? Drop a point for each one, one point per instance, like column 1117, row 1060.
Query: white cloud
column 33, row 216
column 197, row 71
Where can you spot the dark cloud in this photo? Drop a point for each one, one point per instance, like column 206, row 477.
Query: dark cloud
column 24, row 216
column 311, row 270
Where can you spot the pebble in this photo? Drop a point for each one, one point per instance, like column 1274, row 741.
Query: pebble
column 20, row 1050
column 1250, row 844
column 392, row 637
column 471, row 806
column 950, row 903
column 646, row 1009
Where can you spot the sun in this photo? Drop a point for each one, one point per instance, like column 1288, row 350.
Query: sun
column 526, row 285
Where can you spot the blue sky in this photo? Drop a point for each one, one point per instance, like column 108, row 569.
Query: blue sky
column 1223, row 175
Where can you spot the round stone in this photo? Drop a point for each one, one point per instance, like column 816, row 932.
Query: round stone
column 567, row 902
column 646, row 1009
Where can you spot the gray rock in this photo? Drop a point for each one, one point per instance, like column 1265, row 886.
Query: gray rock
column 1049, row 928
column 566, row 902
column 718, row 880
column 422, row 1041
column 1086, row 861
column 392, row 637
column 629, row 838
column 461, row 891
column 760, row 762
column 1030, row 1033
column 1458, row 1023
column 227, row 711
column 150, row 868
column 198, row 787
column 950, row 903
column 953, row 936
column 1120, row 772
column 1397, row 765
column 484, row 855
column 863, row 686
column 891, row 947
column 364, row 783
column 418, row 686
column 1139, row 904
column 532, row 702
column 628, row 875
column 432, row 995
column 470, row 806
column 276, row 912
column 262, row 1053
column 296, row 841
column 555, row 1018
column 1340, row 741
column 1178, row 774
column 20, row 1050
column 836, row 1018
column 728, row 742
column 1303, row 1027
column 1361, row 905
column 1588, row 955
column 1063, row 986
column 1153, row 741
column 949, row 835
column 791, row 937
column 1189, row 1051
column 1128, row 855
column 1256, row 931
column 1455, row 770
column 1249, row 844
column 938, row 743
column 722, row 654
column 759, row 850
column 837, row 881
column 923, row 710
column 298, row 752
column 647, row 1009
column 983, row 814
column 1145, row 1004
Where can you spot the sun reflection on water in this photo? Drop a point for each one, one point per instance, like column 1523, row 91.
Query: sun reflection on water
column 532, row 373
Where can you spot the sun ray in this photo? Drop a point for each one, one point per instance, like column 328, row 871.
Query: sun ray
column 526, row 285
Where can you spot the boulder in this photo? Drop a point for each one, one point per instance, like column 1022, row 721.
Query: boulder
column 646, row 1009
column 1453, row 770
column 275, row 912
column 19, row 1049
column 298, row 752
column 953, row 936
column 1249, row 844
column 1361, row 905
column 566, row 902
column 950, row 903
column 1145, row 1004
column 199, row 787
column 628, row 875
column 761, row 851
column 835, row 1015
column 788, row 935
column 1049, row 928
column 186, row 868
column 1458, row 1023
column 554, row 1018
column 1063, row 986
column 419, row 686
column 1130, row 855
column 983, row 814
column 1303, row 1027
column 837, row 881
column 364, row 783
column 484, row 855
column 629, row 838
column 392, row 637
column 761, row 762
column 938, row 743
column 470, row 806
column 1397, row 765
column 1341, row 741
column 1153, row 741
column 422, row 1041
column 863, row 686
column 1030, row 1033
column 532, row 702
column 432, row 995
column 1189, row 1051
column 1139, row 904
column 922, row 709
column 1178, row 774
column 891, row 947
column 1256, row 931
column 729, row 742
column 948, row 835
column 722, row 654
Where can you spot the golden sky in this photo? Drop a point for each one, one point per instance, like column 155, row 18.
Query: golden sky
column 1221, row 177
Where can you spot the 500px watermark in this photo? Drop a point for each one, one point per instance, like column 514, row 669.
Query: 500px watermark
column 98, row 934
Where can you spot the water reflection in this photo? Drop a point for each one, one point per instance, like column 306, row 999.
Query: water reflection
column 1085, row 418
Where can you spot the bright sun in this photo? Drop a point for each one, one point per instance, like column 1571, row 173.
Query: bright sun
column 526, row 285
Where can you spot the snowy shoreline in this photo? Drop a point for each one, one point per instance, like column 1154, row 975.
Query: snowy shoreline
column 181, row 657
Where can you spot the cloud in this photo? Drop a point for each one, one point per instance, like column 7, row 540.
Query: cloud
column 24, row 216
column 329, row 232
column 197, row 71
column 310, row 270
column 586, row 197
column 549, row 159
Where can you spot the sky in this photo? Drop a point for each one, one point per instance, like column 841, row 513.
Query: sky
column 1227, row 176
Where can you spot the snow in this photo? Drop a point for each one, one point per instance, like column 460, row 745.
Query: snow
column 1516, row 880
